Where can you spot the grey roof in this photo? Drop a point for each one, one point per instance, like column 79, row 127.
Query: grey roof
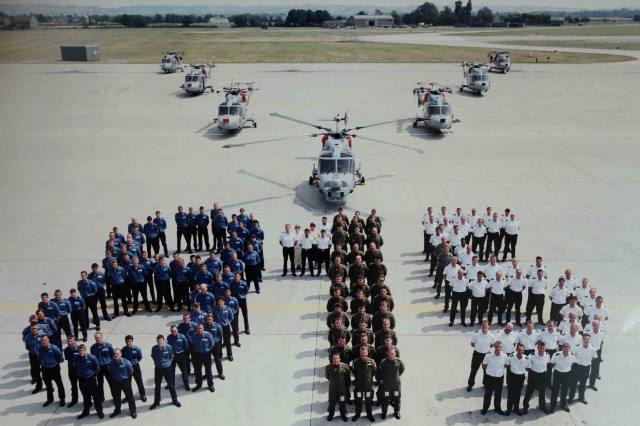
column 22, row 18
column 372, row 17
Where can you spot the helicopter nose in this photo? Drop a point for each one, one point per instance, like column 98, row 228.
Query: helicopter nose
column 335, row 184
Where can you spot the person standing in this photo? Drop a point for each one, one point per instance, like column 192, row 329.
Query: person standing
column 364, row 370
column 585, row 354
column 121, row 371
column 516, row 368
column 219, row 223
column 493, row 365
column 323, row 244
column 460, row 294
column 32, row 342
column 479, row 232
column 481, row 341
column 537, row 366
column 50, row 359
column 64, row 309
column 479, row 295
column 561, row 363
column 133, row 354
column 514, row 288
column 103, row 351
column 288, row 241
column 538, row 287
column 87, row 367
column 88, row 290
column 239, row 290
column 182, row 222
column 306, row 244
column 162, row 275
column 528, row 338
column 77, row 314
column 597, row 340
column 215, row 330
column 223, row 315
column 162, row 229
column 297, row 249
column 511, row 228
column 99, row 280
column 251, row 260
column 180, row 346
column 429, row 230
column 138, row 278
column 338, row 375
column 151, row 233
column 192, row 228
column 558, row 297
column 202, row 222
column 550, row 337
column 202, row 346
column 117, row 276
column 162, row 356
column 389, row 374
column 496, row 303
column 70, row 352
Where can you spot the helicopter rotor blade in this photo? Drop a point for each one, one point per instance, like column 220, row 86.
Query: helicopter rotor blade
column 370, row 125
column 419, row 151
column 295, row 120
column 239, row 145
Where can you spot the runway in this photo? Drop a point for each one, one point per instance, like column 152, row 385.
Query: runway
column 86, row 147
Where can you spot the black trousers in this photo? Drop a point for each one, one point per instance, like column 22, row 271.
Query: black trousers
column 341, row 400
column 102, row 375
column 181, row 361
column 73, row 379
column 323, row 257
column 288, row 253
column 123, row 386
column 203, row 233
column 510, row 242
column 101, row 297
column 439, row 278
column 119, row 293
column 193, row 234
column 245, row 312
column 550, row 372
column 367, row 396
column 202, row 360
column 478, row 242
column 476, row 363
column 152, row 288
column 162, row 236
column 77, row 318
column 261, row 264
column 137, row 376
column 536, row 383
column 434, row 262
column 159, row 374
column 516, row 383
column 63, row 324
column 253, row 274
column 307, row 257
column 164, row 292
column 462, row 298
column 513, row 300
column 391, row 399
column 91, row 306
column 493, row 243
column 447, row 293
column 181, row 294
column 561, row 386
column 89, row 390
column 579, row 378
column 183, row 233
column 107, row 284
column 595, row 368
column 496, row 304
column 220, row 238
column 140, row 289
column 153, row 243
column 49, row 376
column 492, row 387
column 478, row 308
column 34, row 368
column 216, row 353
column 555, row 312
column 226, row 339
column 535, row 301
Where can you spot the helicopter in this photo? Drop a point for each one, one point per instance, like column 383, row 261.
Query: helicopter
column 172, row 62
column 232, row 112
column 499, row 61
column 196, row 81
column 476, row 78
column 436, row 110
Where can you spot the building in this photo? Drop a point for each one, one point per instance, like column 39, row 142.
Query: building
column 334, row 24
column 220, row 22
column 363, row 21
column 5, row 22
column 27, row 22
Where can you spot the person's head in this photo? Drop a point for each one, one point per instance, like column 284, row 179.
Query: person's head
column 561, row 282
column 539, row 261
column 386, row 324
column 364, row 352
column 40, row 314
column 174, row 331
column 508, row 328
column 377, row 260
column 460, row 274
column 33, row 328
column 287, row 228
column 338, row 278
column 474, row 260
column 599, row 301
column 73, row 292
column 336, row 359
column 98, row 337
column 342, row 341
column 551, row 326
column 572, row 301
column 392, row 354
column 372, row 246
column 180, row 209
column 71, row 340
column 204, row 288
column 45, row 298
column 160, row 340
column 540, row 274
column 585, row 282
column 573, row 330
column 128, row 340
column 572, row 317
column 209, row 319
column 498, row 348
column 595, row 324
column 520, row 350
column 518, row 273
column 220, row 302
column 384, row 307
column 388, row 341
column 227, row 293
column 454, row 261
column 44, row 339
column 592, row 292
column 485, row 326
column 529, row 327
column 445, row 221
column 361, row 310
column 83, row 274
column 565, row 349
column 196, row 308
column 362, row 325
column 117, row 354
column 338, row 323
column 383, row 292
column 364, row 340
column 493, row 260
column 446, row 248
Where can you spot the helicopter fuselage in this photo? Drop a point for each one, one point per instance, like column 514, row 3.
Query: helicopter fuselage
column 501, row 63
column 232, row 113
column 196, row 82
column 171, row 64
column 477, row 80
column 335, row 176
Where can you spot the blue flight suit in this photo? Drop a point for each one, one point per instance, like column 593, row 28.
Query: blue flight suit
column 182, row 220
column 163, row 275
column 202, row 347
column 237, row 245
column 117, row 277
column 181, row 285
column 206, row 301
column 204, row 277
column 202, row 222
column 138, row 282
column 70, row 355
column 225, row 255
column 240, row 291
column 218, row 289
column 50, row 359
column 180, row 346
column 162, row 361
column 86, row 371
column 162, row 233
column 219, row 228
column 214, row 266
column 224, row 317
column 33, row 344
column 252, row 267
column 134, row 356
column 216, row 351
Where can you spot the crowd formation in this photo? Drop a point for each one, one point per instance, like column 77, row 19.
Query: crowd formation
column 564, row 356
column 214, row 293
column 350, row 250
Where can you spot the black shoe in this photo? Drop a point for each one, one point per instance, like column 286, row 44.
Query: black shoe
column 238, row 344
column 173, row 310
column 355, row 418
column 397, row 416
column 284, row 275
column 302, row 274
column 197, row 388
column 584, row 401
column 149, row 310
column 177, row 404
column 72, row 403
column 518, row 412
column 594, row 387
column 212, row 389
column 599, row 378
column 82, row 415
column 98, row 328
column 36, row 390
column 525, row 410
column 115, row 413
column 570, row 401
column 544, row 410
column 62, row 403
column 247, row 331
column 330, row 417
column 101, row 416
column 431, row 276
column 84, row 339
column 471, row 324
column 383, row 416
column 258, row 291
column 166, row 387
column 260, row 280
column 153, row 406
column 114, row 316
column 46, row 404
column 158, row 310
column 464, row 324
column 437, row 296
column 450, row 324
column 567, row 409
column 377, row 403
column 350, row 402
column 127, row 314
column 344, row 417
column 190, row 251
column 483, row 412
column 499, row 411
column 231, row 358
column 507, row 413
column 552, row 410
column 371, row 418
column 134, row 415
column 469, row 388
column 445, row 310
column 294, row 275
column 134, row 312
column 107, row 319
column 187, row 387
column 500, row 323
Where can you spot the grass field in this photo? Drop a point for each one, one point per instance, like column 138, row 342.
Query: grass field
column 251, row 46
column 600, row 30
column 585, row 44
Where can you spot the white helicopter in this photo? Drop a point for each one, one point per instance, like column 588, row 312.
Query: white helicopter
column 499, row 61
column 197, row 80
column 476, row 78
column 172, row 62
column 436, row 111
column 232, row 112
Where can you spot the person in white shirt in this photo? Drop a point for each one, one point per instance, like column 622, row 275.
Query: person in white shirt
column 326, row 226
column 288, row 241
column 582, row 291
column 459, row 294
column 493, row 364
column 479, row 295
column 465, row 229
column 537, row 367
column 532, row 271
column 597, row 340
column 472, row 269
column 496, row 303
column 487, row 216
column 572, row 307
column 561, row 362
column 446, row 226
column 442, row 215
column 585, row 354
column 528, row 337
column 565, row 326
column 538, row 287
column 508, row 338
column 492, row 268
column 572, row 337
column 455, row 238
column 456, row 218
column 481, row 341
column 511, row 269
column 297, row 250
column 550, row 337
column 466, row 258
column 434, row 240
column 472, row 218
column 503, row 219
column 479, row 236
column 306, row 246
column 558, row 297
column 315, row 234
column 323, row 245
column 516, row 369
column 586, row 302
column 599, row 309
column 449, row 272
column 513, row 294
column 511, row 229
column 570, row 282
column 429, row 229
column 493, row 238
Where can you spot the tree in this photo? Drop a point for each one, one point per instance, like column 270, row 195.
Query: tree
column 636, row 18
column 158, row 19
column 397, row 18
column 484, row 16
column 447, row 16
column 468, row 11
column 427, row 13
column 42, row 18
column 585, row 19
column 459, row 12
column 187, row 21
column 378, row 12
column 362, row 12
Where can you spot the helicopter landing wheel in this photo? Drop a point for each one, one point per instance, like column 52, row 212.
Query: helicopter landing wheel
column 415, row 124
column 362, row 180
column 255, row 124
column 461, row 88
column 310, row 180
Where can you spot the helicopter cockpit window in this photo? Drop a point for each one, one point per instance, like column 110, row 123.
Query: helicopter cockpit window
column 345, row 166
column 445, row 110
column 326, row 166
column 502, row 61
column 234, row 110
column 433, row 110
column 223, row 110
column 187, row 78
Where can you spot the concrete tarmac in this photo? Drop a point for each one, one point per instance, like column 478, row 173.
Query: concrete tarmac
column 86, row 147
